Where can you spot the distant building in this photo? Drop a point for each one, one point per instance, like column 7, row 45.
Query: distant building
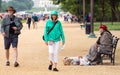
column 6, row 0
column 43, row 3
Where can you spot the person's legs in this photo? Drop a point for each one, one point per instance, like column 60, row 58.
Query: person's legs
column 33, row 24
column 50, row 45
column 50, row 52
column 28, row 25
column 15, row 54
column 36, row 25
column 7, row 43
column 14, row 44
column 7, row 54
column 16, row 64
column 92, row 53
column 99, row 58
column 7, row 57
column 56, row 49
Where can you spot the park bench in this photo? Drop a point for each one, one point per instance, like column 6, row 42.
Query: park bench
column 111, row 55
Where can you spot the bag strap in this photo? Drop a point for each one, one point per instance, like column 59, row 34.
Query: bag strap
column 52, row 28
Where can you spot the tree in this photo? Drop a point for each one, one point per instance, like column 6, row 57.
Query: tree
column 107, row 9
column 115, row 11
column 21, row 5
column 4, row 6
column 0, row 5
column 73, row 6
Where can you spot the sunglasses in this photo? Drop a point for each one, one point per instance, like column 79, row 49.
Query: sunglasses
column 10, row 10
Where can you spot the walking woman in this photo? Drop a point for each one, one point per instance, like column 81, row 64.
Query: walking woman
column 52, row 40
column 10, row 29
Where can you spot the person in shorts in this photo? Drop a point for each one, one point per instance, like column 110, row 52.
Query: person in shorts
column 10, row 29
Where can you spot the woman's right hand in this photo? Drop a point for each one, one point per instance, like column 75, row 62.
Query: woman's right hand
column 96, row 45
column 46, row 43
column 3, row 34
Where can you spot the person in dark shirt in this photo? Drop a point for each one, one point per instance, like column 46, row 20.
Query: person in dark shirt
column 29, row 21
column 35, row 20
column 10, row 29
column 12, row 25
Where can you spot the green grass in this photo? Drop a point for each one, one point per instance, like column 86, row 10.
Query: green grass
column 114, row 26
column 23, row 21
column 0, row 21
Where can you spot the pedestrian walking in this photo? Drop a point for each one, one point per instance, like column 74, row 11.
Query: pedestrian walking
column 52, row 40
column 35, row 20
column 10, row 29
column 29, row 19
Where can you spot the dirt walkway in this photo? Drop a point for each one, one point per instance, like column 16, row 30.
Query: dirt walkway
column 33, row 54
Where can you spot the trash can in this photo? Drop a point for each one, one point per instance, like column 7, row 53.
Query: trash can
column 88, row 28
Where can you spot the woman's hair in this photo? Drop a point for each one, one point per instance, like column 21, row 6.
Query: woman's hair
column 56, row 17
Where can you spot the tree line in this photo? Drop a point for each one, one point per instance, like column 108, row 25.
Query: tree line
column 19, row 5
column 104, row 10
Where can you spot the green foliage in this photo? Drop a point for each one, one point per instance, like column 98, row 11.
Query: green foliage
column 19, row 5
column 4, row 6
column 73, row 6
column 110, row 25
column 76, row 7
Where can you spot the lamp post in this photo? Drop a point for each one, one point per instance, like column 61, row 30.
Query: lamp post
column 92, row 35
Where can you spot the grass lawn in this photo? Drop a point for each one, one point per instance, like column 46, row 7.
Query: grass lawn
column 114, row 26
column 0, row 21
column 23, row 21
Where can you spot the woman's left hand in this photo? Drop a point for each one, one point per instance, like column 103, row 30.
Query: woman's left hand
column 46, row 43
column 63, row 43
column 96, row 46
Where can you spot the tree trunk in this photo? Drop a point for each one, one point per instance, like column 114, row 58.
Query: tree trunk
column 118, row 16
column 103, row 11
column 113, row 10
